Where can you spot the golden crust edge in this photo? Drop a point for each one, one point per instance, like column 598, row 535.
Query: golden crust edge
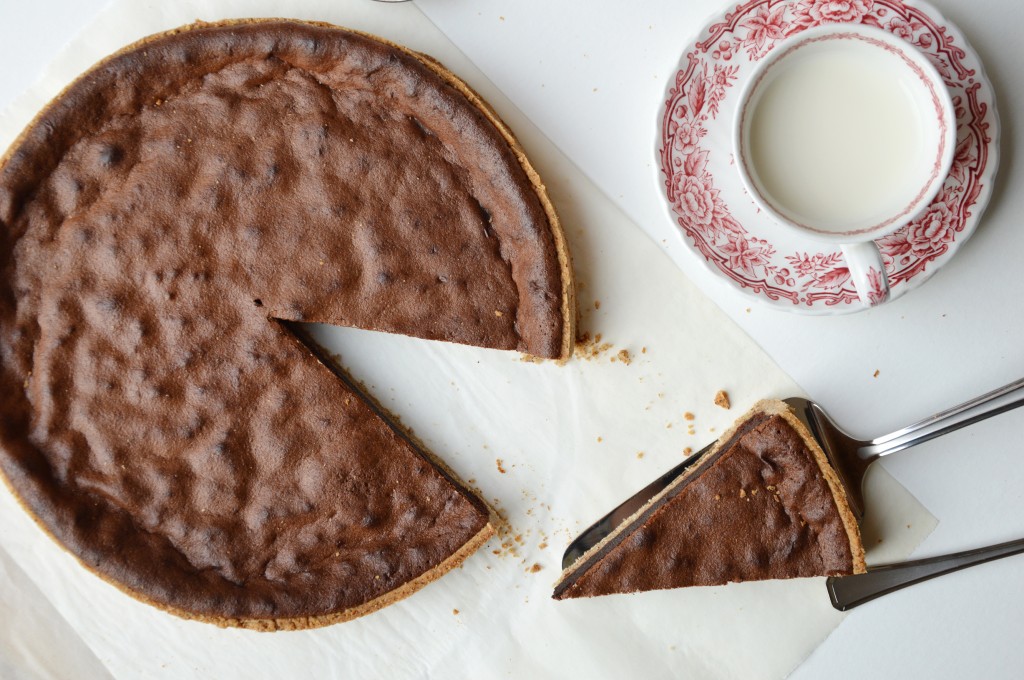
column 773, row 407
column 850, row 523
column 568, row 340
column 558, row 233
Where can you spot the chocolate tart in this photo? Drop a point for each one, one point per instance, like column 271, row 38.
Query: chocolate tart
column 163, row 224
column 763, row 503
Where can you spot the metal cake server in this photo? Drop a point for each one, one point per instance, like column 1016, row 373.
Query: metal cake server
column 850, row 457
column 847, row 592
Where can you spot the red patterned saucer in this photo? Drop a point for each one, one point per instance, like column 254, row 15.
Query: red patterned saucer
column 720, row 221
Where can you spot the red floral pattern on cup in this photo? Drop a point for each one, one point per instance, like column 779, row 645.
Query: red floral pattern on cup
column 703, row 206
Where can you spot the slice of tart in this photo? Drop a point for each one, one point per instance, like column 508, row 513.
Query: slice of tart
column 162, row 224
column 763, row 503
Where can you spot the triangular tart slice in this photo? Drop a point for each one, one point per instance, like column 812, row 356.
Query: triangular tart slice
column 763, row 503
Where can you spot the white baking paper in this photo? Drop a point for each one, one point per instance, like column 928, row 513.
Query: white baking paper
column 552, row 447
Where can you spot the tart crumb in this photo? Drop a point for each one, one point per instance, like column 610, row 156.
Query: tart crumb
column 541, row 546
column 722, row 399
column 535, row 568
column 501, row 467
column 639, row 455
column 497, row 313
column 624, row 356
column 597, row 304
column 688, row 416
column 687, row 451
column 455, row 612
column 743, row 493
column 876, row 373
column 590, row 348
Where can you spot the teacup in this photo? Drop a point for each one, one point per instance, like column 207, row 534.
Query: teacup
column 844, row 133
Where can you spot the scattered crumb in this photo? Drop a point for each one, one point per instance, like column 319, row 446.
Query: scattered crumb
column 535, row 568
column 668, row 426
column 748, row 310
column 587, row 348
column 500, row 463
column 639, row 455
column 597, row 304
column 542, row 546
column 600, row 439
column 770, row 487
column 908, row 526
column 689, row 416
column 595, row 89
column 718, row 497
column 753, row 492
column 722, row 399
column 643, row 350
column 876, row 373
column 743, row 493
column 455, row 612
column 624, row 357
column 531, row 359
column 711, row 429
column 498, row 313
column 879, row 540
column 687, row 451
column 501, row 18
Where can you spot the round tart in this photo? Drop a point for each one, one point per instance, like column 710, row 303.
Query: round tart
column 162, row 224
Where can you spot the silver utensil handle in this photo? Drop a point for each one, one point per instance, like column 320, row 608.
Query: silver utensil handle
column 993, row 403
column 847, row 592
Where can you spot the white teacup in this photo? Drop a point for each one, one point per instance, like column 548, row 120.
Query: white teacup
column 844, row 133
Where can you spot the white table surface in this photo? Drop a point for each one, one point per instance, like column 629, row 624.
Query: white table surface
column 955, row 337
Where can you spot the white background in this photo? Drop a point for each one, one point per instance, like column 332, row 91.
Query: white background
column 955, row 337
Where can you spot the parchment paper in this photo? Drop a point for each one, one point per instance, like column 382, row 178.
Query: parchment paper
column 551, row 447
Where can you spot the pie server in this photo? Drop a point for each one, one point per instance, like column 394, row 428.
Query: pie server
column 850, row 457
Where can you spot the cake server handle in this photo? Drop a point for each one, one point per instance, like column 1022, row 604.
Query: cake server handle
column 848, row 592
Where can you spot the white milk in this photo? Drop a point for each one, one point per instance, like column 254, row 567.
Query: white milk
column 836, row 135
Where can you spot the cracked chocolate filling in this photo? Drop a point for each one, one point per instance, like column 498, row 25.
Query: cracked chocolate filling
column 157, row 221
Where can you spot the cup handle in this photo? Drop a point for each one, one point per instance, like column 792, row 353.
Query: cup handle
column 867, row 272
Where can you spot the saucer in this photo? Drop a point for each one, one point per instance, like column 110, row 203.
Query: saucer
column 719, row 220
